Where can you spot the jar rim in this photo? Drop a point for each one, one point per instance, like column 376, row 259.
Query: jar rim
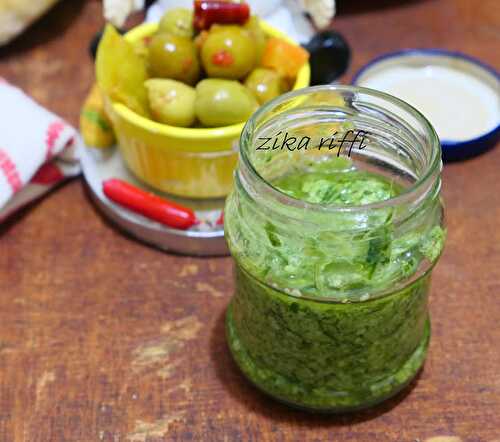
column 421, row 185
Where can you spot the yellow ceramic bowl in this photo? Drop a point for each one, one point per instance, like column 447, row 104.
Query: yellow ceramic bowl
column 187, row 162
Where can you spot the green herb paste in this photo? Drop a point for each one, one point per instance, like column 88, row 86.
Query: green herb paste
column 316, row 353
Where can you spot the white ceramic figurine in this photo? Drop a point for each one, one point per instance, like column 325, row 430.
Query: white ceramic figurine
column 286, row 15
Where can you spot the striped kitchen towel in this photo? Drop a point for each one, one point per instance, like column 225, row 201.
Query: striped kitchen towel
column 37, row 150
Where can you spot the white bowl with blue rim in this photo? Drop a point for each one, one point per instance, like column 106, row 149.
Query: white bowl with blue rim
column 458, row 94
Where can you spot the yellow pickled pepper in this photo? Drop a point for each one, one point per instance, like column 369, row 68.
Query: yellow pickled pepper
column 95, row 125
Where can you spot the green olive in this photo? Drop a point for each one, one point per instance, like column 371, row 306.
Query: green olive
column 173, row 57
column 178, row 21
column 171, row 102
column 265, row 84
column 257, row 35
column 228, row 52
column 223, row 102
column 141, row 49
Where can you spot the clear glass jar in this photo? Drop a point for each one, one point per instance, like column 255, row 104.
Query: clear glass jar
column 334, row 248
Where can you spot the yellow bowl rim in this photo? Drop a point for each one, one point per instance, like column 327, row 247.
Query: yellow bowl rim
column 145, row 29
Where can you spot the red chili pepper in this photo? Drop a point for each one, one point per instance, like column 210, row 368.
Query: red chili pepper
column 220, row 220
column 149, row 205
column 208, row 12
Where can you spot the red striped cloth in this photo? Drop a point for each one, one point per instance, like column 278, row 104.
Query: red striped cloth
column 37, row 150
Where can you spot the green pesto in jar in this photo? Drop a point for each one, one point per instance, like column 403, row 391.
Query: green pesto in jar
column 341, row 355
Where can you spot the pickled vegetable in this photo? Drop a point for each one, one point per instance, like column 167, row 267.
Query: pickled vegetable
column 178, row 21
column 95, row 125
column 171, row 102
column 121, row 72
column 223, row 102
column 141, row 48
column 200, row 39
column 228, row 52
column 174, row 57
column 284, row 57
column 265, row 84
column 257, row 35
column 206, row 13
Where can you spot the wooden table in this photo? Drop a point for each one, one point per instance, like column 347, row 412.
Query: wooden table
column 104, row 339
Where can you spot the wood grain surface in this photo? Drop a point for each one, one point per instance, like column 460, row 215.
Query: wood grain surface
column 104, row 339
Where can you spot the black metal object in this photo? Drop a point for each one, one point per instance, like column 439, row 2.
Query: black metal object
column 330, row 56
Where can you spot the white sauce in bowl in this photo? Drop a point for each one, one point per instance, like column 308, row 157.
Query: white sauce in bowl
column 460, row 99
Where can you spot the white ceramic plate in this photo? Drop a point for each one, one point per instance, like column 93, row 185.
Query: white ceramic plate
column 205, row 239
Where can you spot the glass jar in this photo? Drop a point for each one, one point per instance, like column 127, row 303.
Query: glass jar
column 334, row 244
